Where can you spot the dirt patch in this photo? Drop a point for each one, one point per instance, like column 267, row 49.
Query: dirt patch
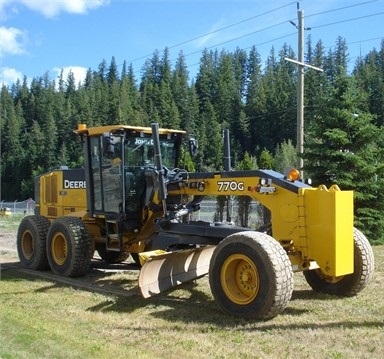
column 118, row 279
column 8, row 249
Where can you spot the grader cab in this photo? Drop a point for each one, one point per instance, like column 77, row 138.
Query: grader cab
column 138, row 202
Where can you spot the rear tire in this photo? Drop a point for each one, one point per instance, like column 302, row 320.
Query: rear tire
column 251, row 276
column 351, row 284
column 69, row 247
column 31, row 238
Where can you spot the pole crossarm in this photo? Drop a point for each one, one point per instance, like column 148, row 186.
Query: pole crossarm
column 303, row 64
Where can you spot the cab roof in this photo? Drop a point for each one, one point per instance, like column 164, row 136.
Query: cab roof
column 82, row 129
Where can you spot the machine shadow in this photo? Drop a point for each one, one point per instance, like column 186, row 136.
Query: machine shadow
column 189, row 302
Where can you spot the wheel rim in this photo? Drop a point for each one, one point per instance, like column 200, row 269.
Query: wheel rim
column 328, row 278
column 59, row 248
column 27, row 245
column 240, row 279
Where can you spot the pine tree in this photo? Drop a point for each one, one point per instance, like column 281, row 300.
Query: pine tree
column 369, row 73
column 130, row 111
column 315, row 83
column 12, row 151
column 285, row 156
column 286, row 105
column 212, row 146
column 239, row 123
column 208, row 128
column 206, row 78
column 266, row 160
column 273, row 125
column 231, row 91
column 344, row 148
column 225, row 91
column 101, row 95
column 113, row 85
column 189, row 120
column 244, row 202
column 180, row 92
column 256, row 102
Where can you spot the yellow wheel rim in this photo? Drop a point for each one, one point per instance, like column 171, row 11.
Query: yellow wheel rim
column 240, row 279
column 59, row 248
column 328, row 278
column 27, row 245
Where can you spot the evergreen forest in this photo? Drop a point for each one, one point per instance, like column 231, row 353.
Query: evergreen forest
column 255, row 98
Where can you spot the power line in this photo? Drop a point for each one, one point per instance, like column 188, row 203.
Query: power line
column 356, row 42
column 235, row 24
column 260, row 30
column 340, row 8
column 256, row 45
column 268, row 28
column 240, row 37
column 283, row 22
column 221, row 29
column 348, row 20
column 366, row 40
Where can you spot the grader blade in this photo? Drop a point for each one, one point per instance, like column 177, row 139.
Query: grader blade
column 165, row 271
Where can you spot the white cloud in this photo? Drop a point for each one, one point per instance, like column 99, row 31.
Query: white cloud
column 10, row 43
column 3, row 5
column 9, row 76
column 211, row 35
column 78, row 72
column 51, row 8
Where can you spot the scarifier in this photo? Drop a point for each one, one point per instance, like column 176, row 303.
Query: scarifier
column 132, row 199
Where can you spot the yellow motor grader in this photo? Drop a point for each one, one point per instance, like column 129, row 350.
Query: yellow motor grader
column 132, row 199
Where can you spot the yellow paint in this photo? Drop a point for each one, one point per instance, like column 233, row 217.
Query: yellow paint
column 329, row 228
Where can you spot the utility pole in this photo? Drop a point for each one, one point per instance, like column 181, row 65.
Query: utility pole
column 227, row 167
column 300, row 92
column 1, row 124
column 300, row 88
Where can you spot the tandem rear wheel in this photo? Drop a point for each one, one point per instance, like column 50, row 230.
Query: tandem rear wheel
column 31, row 242
column 250, row 275
column 69, row 247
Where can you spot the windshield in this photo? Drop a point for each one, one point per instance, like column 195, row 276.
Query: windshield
column 139, row 151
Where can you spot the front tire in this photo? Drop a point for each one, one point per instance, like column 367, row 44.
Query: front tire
column 250, row 275
column 111, row 257
column 350, row 284
column 31, row 238
column 69, row 247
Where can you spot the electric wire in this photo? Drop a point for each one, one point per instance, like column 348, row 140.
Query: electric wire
column 340, row 8
column 347, row 20
column 313, row 27
column 366, row 40
column 268, row 28
column 232, row 25
column 221, row 29
column 256, row 45
column 240, row 37
column 283, row 22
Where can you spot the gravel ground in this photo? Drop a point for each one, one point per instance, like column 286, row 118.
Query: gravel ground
column 8, row 250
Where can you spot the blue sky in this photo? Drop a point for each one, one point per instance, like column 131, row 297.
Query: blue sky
column 38, row 36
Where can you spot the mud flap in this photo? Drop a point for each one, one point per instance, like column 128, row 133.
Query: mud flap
column 165, row 271
column 329, row 229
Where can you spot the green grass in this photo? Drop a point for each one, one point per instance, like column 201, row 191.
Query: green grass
column 44, row 319
column 10, row 222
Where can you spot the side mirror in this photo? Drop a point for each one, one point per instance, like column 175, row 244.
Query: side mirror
column 193, row 146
